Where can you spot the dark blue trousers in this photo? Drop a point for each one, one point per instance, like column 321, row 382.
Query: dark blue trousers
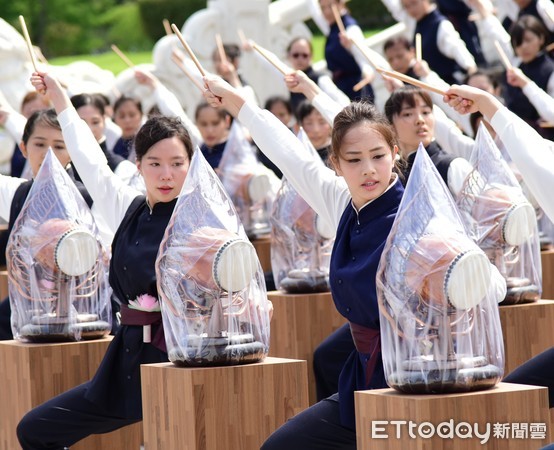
column 316, row 428
column 5, row 320
column 65, row 420
column 538, row 371
column 329, row 358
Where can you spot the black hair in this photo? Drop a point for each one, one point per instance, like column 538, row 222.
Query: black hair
column 527, row 23
column 81, row 100
column 124, row 99
column 406, row 95
column 304, row 109
column 398, row 40
column 44, row 117
column 271, row 101
column 158, row 128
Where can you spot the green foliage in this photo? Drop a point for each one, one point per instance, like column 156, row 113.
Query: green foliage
column 370, row 14
column 124, row 28
column 153, row 12
column 108, row 60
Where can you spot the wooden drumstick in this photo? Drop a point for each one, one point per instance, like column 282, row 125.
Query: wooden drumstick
column 176, row 58
column 360, row 84
column 28, row 41
column 188, row 49
column 412, row 81
column 504, row 58
column 167, row 27
column 220, row 48
column 280, row 66
column 338, row 19
column 418, row 52
column 124, row 58
column 242, row 37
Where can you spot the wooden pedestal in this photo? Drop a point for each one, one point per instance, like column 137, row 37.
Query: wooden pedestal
column 263, row 249
column 30, row 374
column 300, row 322
column 3, row 284
column 547, row 262
column 521, row 412
column 528, row 329
column 219, row 408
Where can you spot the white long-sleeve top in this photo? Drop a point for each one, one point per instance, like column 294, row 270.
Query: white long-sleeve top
column 450, row 137
column 449, row 41
column 110, row 194
column 170, row 106
column 322, row 189
column 532, row 155
column 354, row 32
column 463, row 120
column 541, row 100
column 15, row 125
column 545, row 8
column 8, row 186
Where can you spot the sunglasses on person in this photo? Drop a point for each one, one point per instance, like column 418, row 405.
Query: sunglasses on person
column 300, row 55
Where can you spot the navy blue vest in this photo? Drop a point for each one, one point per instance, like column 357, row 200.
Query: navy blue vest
column 458, row 12
column 428, row 27
column 345, row 69
column 213, row 154
column 116, row 385
column 355, row 258
column 438, row 156
column 539, row 70
column 296, row 97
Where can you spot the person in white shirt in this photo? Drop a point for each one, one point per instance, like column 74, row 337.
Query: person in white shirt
column 442, row 46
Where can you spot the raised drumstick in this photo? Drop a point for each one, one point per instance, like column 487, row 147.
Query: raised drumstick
column 418, row 52
column 220, row 48
column 280, row 66
column 338, row 19
column 412, row 81
column 505, row 60
column 119, row 53
column 28, row 41
column 188, row 49
column 167, row 27
column 176, row 58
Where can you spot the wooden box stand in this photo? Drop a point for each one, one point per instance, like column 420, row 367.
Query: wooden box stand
column 263, row 249
column 300, row 322
column 527, row 329
column 547, row 262
column 30, row 374
column 3, row 285
column 516, row 416
column 220, row 408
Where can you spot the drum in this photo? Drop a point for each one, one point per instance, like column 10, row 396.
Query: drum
column 445, row 272
column 520, row 290
column 64, row 246
column 502, row 220
column 216, row 259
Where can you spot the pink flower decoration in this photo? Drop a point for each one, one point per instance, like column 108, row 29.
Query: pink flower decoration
column 145, row 302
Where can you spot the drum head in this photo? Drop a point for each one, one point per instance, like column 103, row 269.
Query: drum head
column 467, row 280
column 519, row 224
column 325, row 230
column 258, row 187
column 76, row 252
column 235, row 264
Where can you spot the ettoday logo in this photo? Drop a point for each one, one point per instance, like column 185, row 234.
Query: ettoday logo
column 381, row 429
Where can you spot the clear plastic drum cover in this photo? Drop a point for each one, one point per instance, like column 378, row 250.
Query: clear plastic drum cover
column 440, row 327
column 300, row 254
column 57, row 265
column 251, row 186
column 501, row 220
column 212, row 290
